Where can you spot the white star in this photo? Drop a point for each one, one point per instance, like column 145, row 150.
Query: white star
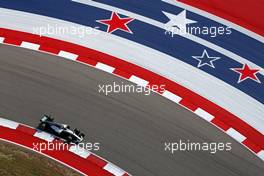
column 177, row 23
column 205, row 59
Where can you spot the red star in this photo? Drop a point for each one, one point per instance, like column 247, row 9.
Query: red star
column 246, row 72
column 115, row 22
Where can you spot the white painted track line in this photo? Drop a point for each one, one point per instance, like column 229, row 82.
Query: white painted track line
column 236, row 135
column 114, row 169
column 138, row 81
column 105, row 67
column 261, row 154
column 2, row 39
column 45, row 136
column 171, row 96
column 205, row 115
column 28, row 45
column 80, row 151
column 68, row 55
column 8, row 123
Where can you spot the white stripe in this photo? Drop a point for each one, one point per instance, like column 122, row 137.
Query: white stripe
column 68, row 55
column 2, row 39
column 79, row 151
column 105, row 67
column 236, row 135
column 205, row 115
column 162, row 26
column 138, row 81
column 8, row 123
column 28, row 45
column 216, row 18
column 114, row 169
column 171, row 96
column 45, row 136
column 261, row 154
column 219, row 92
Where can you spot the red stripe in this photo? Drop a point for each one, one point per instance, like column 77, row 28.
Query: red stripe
column 255, row 148
column 186, row 103
column 220, row 124
column 122, row 73
column 246, row 13
column 86, row 60
column 98, row 161
column 12, row 41
column 25, row 129
column 49, row 49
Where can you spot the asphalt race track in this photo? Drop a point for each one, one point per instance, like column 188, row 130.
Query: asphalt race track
column 131, row 128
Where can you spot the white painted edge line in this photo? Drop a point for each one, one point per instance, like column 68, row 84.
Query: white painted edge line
column 236, row 135
column 114, row 169
column 68, row 55
column 171, row 96
column 138, row 81
column 29, row 45
column 261, row 154
column 80, row 151
column 105, row 67
column 205, row 115
column 2, row 39
column 8, row 123
column 45, row 136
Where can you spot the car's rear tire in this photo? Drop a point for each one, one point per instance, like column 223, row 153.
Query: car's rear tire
column 76, row 131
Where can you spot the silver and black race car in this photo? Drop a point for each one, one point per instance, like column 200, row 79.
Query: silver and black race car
column 62, row 131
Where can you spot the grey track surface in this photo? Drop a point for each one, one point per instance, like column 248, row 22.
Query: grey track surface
column 131, row 128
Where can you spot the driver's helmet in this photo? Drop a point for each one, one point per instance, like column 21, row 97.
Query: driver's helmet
column 66, row 126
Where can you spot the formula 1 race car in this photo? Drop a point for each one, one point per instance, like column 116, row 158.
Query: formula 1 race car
column 61, row 131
